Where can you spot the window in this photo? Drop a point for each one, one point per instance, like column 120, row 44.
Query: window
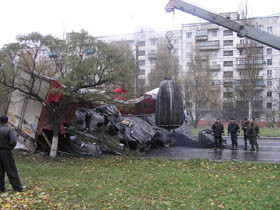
column 239, row 82
column 215, row 82
column 214, row 33
column 269, row 105
column 228, row 53
column 242, row 52
column 141, row 43
column 189, row 54
column 269, row 83
column 189, row 35
column 141, row 62
column 214, row 53
column 228, row 63
column 269, row 73
column 269, row 51
column 268, row 116
column 269, row 62
column 141, row 52
column 153, row 61
column 152, row 52
column 153, row 42
column 243, row 73
column 228, row 84
column 228, row 94
column 130, row 42
column 228, row 73
column 44, row 51
column 259, row 83
column 258, row 105
column 269, row 29
column 228, row 33
column 228, row 42
column 141, row 82
column 175, row 51
column 214, row 74
column 142, row 72
column 269, row 94
column 260, row 27
column 175, row 41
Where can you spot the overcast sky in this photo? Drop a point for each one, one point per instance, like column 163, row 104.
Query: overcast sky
column 107, row 17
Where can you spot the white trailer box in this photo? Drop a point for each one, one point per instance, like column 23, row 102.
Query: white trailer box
column 24, row 112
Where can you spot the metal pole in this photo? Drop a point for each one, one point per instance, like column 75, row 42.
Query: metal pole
column 136, row 70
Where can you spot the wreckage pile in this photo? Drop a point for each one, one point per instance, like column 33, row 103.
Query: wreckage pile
column 104, row 129
column 110, row 131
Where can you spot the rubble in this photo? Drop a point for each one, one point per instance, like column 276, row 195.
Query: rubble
column 155, row 119
column 206, row 139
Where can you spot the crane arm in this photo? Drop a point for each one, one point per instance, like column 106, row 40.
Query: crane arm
column 242, row 30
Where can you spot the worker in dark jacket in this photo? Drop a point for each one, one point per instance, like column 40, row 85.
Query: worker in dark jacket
column 233, row 129
column 253, row 133
column 7, row 162
column 218, row 130
column 245, row 127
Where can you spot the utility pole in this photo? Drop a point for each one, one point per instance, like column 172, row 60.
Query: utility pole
column 168, row 36
column 136, row 70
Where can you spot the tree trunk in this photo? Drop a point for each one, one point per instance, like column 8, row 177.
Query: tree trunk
column 195, row 124
column 53, row 151
column 250, row 105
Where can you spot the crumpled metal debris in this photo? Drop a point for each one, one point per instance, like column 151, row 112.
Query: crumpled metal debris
column 206, row 138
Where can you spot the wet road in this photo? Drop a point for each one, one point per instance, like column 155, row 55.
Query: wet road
column 269, row 152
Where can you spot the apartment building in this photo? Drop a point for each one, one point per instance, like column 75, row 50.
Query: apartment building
column 226, row 54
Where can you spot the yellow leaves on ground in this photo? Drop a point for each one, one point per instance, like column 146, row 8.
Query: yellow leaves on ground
column 25, row 200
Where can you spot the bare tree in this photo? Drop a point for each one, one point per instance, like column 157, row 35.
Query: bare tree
column 167, row 66
column 200, row 91
column 250, row 85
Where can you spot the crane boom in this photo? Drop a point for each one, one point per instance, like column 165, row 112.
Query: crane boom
column 242, row 30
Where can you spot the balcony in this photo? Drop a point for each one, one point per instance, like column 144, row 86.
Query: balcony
column 258, row 98
column 215, row 67
column 245, row 45
column 152, row 55
column 209, row 45
column 228, row 79
column 246, row 66
column 201, row 35
column 201, row 38
column 260, row 87
column 228, row 84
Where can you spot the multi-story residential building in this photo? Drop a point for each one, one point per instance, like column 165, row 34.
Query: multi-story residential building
column 226, row 53
column 144, row 47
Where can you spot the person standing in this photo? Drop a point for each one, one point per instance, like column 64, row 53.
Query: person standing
column 245, row 126
column 218, row 130
column 7, row 162
column 253, row 132
column 233, row 128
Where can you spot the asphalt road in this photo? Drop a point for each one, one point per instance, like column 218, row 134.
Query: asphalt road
column 269, row 152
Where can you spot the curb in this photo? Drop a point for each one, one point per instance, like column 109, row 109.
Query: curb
column 260, row 138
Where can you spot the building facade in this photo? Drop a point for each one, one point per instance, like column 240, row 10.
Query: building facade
column 226, row 55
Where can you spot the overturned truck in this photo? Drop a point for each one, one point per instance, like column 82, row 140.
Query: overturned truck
column 90, row 130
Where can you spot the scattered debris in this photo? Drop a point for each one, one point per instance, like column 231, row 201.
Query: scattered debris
column 206, row 138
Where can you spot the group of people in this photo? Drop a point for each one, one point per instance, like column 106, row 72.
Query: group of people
column 250, row 129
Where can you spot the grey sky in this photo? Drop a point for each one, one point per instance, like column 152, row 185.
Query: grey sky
column 106, row 17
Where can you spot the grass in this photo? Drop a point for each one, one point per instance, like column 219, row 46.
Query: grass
column 112, row 182
column 264, row 132
column 270, row 132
